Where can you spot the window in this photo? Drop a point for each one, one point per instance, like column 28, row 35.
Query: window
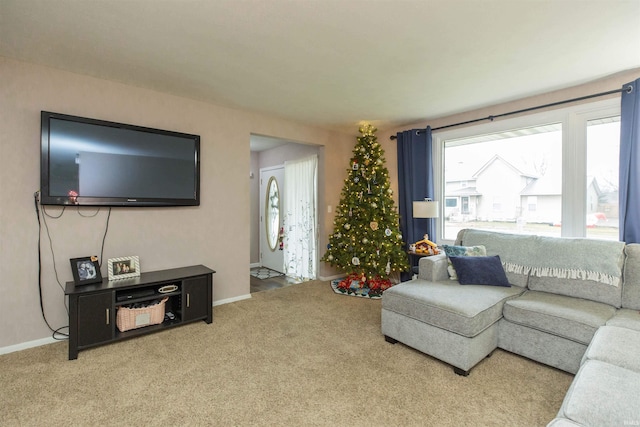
column 465, row 205
column 552, row 173
column 603, row 153
column 510, row 170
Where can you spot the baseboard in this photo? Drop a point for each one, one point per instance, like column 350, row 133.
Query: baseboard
column 255, row 265
column 26, row 345
column 51, row 340
column 228, row 300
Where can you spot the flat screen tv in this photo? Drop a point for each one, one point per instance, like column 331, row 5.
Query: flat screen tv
column 89, row 162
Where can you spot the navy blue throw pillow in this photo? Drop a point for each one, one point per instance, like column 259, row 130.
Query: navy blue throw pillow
column 480, row 270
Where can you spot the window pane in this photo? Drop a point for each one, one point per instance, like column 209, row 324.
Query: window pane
column 509, row 181
column 603, row 151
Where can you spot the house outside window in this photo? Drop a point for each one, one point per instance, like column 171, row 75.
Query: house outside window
column 603, row 153
column 552, row 174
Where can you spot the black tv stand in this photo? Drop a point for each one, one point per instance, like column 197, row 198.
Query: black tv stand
column 92, row 308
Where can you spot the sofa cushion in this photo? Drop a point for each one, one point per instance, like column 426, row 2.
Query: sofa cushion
column 617, row 346
column 631, row 274
column 594, row 269
column 584, row 268
column 453, row 250
column 602, row 394
column 479, row 270
column 571, row 318
column 515, row 277
column 587, row 289
column 465, row 310
column 626, row 318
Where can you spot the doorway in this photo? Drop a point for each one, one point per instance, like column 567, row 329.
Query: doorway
column 269, row 155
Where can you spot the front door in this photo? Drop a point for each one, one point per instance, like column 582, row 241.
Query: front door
column 271, row 216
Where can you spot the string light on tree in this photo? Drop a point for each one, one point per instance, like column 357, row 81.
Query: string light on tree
column 366, row 242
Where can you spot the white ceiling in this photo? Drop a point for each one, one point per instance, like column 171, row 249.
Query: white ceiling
column 262, row 143
column 332, row 63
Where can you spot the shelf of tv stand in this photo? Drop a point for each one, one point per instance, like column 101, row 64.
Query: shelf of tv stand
column 92, row 308
column 147, row 329
column 157, row 295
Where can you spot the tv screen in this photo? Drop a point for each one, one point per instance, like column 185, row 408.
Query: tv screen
column 89, row 162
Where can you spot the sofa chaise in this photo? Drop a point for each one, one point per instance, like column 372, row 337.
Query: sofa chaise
column 568, row 303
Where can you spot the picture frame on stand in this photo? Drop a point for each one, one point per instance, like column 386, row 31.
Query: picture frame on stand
column 123, row 267
column 86, row 270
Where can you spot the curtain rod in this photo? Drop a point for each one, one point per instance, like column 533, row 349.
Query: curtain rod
column 628, row 89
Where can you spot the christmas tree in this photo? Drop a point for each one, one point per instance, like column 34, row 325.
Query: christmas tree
column 366, row 242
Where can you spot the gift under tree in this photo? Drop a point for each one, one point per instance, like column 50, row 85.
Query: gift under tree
column 366, row 242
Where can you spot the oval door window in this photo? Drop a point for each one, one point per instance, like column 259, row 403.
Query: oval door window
column 272, row 214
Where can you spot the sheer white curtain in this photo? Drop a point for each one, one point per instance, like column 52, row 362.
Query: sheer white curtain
column 300, row 224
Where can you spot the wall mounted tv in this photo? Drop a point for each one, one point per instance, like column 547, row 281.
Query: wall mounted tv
column 89, row 162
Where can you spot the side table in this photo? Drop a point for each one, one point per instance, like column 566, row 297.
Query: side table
column 414, row 260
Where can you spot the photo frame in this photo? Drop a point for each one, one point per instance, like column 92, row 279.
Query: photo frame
column 86, row 270
column 123, row 267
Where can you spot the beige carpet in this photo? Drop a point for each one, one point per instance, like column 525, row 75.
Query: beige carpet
column 300, row 355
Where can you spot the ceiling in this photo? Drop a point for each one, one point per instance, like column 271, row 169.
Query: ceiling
column 332, row 63
column 262, row 143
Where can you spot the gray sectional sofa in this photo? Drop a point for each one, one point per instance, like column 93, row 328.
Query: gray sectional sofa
column 573, row 304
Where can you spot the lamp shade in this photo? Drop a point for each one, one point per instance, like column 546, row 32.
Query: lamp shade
column 426, row 209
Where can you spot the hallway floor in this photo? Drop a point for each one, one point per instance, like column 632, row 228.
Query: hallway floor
column 258, row 285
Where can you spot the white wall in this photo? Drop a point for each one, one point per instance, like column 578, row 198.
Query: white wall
column 215, row 234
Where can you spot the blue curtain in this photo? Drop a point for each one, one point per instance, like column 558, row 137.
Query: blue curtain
column 415, row 182
column 629, row 202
